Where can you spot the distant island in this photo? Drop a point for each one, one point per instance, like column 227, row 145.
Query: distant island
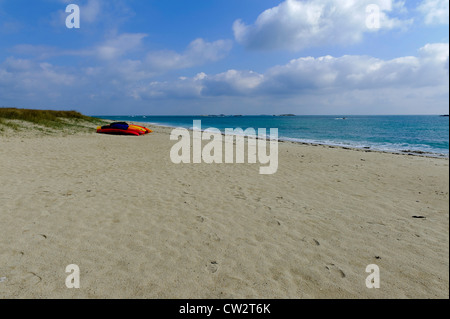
column 286, row 115
column 445, row 115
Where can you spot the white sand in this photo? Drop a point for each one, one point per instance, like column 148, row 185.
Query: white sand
column 139, row 226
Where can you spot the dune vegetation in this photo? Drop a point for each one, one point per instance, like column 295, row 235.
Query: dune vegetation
column 46, row 121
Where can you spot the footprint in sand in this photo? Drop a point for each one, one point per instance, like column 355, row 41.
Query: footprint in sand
column 283, row 202
column 273, row 222
column 32, row 278
column 334, row 270
column 68, row 193
column 213, row 266
column 213, row 237
column 312, row 241
column 200, row 219
column 239, row 194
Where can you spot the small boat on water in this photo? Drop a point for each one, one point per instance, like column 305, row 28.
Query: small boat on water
column 123, row 128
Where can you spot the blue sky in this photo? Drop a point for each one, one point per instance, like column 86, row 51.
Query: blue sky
column 233, row 57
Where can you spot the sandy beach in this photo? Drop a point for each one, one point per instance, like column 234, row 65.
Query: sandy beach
column 139, row 226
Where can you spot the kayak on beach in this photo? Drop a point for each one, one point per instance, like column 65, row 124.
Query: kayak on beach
column 123, row 128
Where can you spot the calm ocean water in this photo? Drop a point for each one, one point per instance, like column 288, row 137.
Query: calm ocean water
column 428, row 134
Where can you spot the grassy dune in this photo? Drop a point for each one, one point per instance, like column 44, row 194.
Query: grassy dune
column 47, row 122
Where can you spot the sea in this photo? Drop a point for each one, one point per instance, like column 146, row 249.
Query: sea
column 413, row 134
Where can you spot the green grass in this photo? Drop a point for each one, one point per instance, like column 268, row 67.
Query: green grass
column 12, row 125
column 42, row 117
column 57, row 120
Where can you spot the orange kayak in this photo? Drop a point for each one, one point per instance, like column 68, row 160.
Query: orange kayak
column 122, row 128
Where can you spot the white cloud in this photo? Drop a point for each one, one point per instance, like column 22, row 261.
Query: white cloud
column 238, row 82
column 435, row 52
column 352, row 83
column 115, row 51
column 429, row 68
column 113, row 48
column 119, row 45
column 114, row 73
column 198, row 52
column 435, row 11
column 22, row 78
column 91, row 10
column 182, row 88
column 231, row 82
column 324, row 76
column 296, row 25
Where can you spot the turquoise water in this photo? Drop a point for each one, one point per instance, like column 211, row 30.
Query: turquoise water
column 412, row 134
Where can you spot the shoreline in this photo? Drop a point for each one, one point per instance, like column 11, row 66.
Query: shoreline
column 289, row 140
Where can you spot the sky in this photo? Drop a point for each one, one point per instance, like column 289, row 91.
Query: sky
column 178, row 57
